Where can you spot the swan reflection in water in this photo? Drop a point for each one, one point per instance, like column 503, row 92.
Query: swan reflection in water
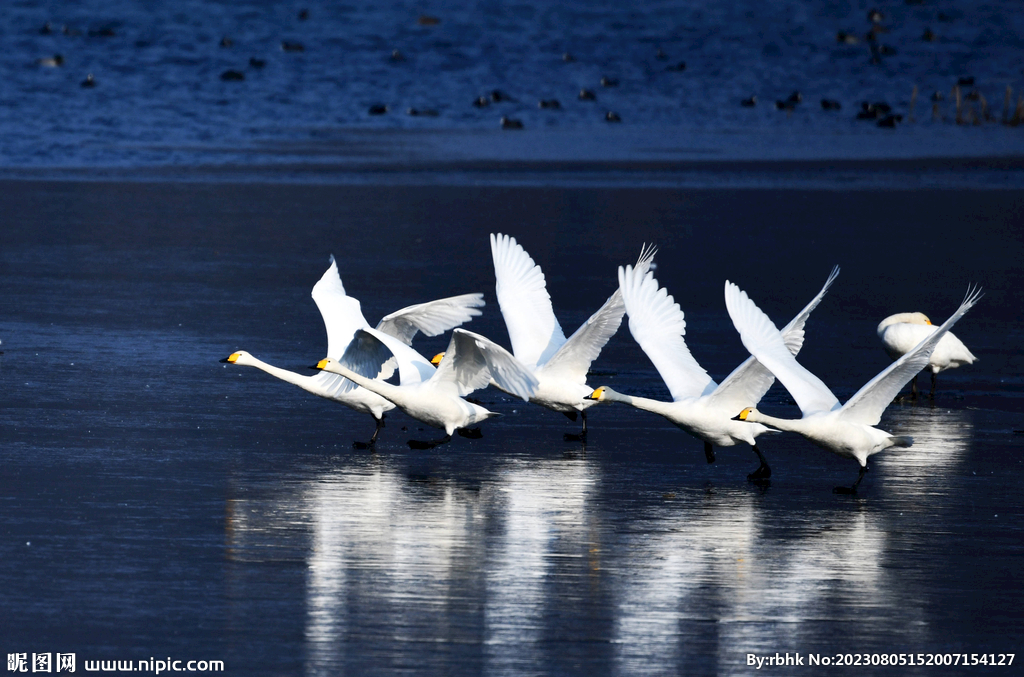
column 543, row 562
column 715, row 575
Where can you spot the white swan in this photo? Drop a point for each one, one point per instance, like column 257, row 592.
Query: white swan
column 470, row 363
column 560, row 365
column 847, row 430
column 343, row 316
column 699, row 406
column 902, row 331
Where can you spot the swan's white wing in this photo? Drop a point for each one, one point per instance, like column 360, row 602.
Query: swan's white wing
column 657, row 324
column 431, row 318
column 573, row 359
column 793, row 333
column 372, row 354
column 472, row 360
column 525, row 304
column 341, row 313
column 365, row 354
column 761, row 337
column 748, row 383
column 870, row 401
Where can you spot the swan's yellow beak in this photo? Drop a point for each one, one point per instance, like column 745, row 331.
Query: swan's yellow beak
column 232, row 358
column 322, row 364
column 436, row 359
column 743, row 414
column 927, row 321
column 596, row 395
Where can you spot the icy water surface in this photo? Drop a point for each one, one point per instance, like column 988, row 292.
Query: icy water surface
column 676, row 74
column 154, row 502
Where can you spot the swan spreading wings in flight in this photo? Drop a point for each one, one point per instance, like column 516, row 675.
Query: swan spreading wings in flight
column 559, row 364
column 471, row 362
column 847, row 430
column 699, row 406
column 343, row 317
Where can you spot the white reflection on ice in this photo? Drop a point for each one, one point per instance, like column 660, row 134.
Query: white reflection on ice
column 546, row 521
column 942, row 439
column 714, row 578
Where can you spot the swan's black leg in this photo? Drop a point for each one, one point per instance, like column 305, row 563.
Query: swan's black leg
column 852, row 489
column 572, row 437
column 373, row 439
column 931, row 395
column 913, row 388
column 763, row 472
column 709, row 452
column 429, row 444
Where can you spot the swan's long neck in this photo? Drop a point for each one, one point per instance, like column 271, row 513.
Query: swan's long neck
column 789, row 425
column 644, row 403
column 301, row 380
column 382, row 388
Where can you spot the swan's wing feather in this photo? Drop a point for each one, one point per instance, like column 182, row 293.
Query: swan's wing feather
column 793, row 333
column 341, row 313
column 749, row 382
column 472, row 360
column 365, row 354
column 431, row 318
column 412, row 367
column 573, row 359
column 761, row 337
column 657, row 324
column 870, row 401
column 525, row 304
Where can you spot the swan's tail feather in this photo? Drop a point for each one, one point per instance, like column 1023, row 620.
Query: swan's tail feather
column 901, row 441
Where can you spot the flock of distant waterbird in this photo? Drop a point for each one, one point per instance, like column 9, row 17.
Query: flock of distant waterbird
column 971, row 106
column 548, row 369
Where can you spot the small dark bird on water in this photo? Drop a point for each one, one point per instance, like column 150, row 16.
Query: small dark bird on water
column 46, row 29
column 232, row 76
column 844, row 38
column 104, row 32
column 676, row 68
column 612, row 116
column 89, row 81
column 422, row 112
column 889, row 121
column 749, row 103
column 549, row 103
column 967, row 81
column 303, row 14
column 498, row 96
column 509, row 123
column 788, row 106
column 795, row 97
column 378, row 109
column 937, row 96
column 481, row 102
column 929, row 36
column 290, row 46
column 397, row 56
column 568, row 58
column 587, row 95
column 874, row 16
column 830, row 104
column 256, row 63
column 609, row 82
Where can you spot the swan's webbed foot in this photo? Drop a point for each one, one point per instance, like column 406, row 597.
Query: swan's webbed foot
column 470, row 433
column 851, row 489
column 429, row 444
column 709, row 452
